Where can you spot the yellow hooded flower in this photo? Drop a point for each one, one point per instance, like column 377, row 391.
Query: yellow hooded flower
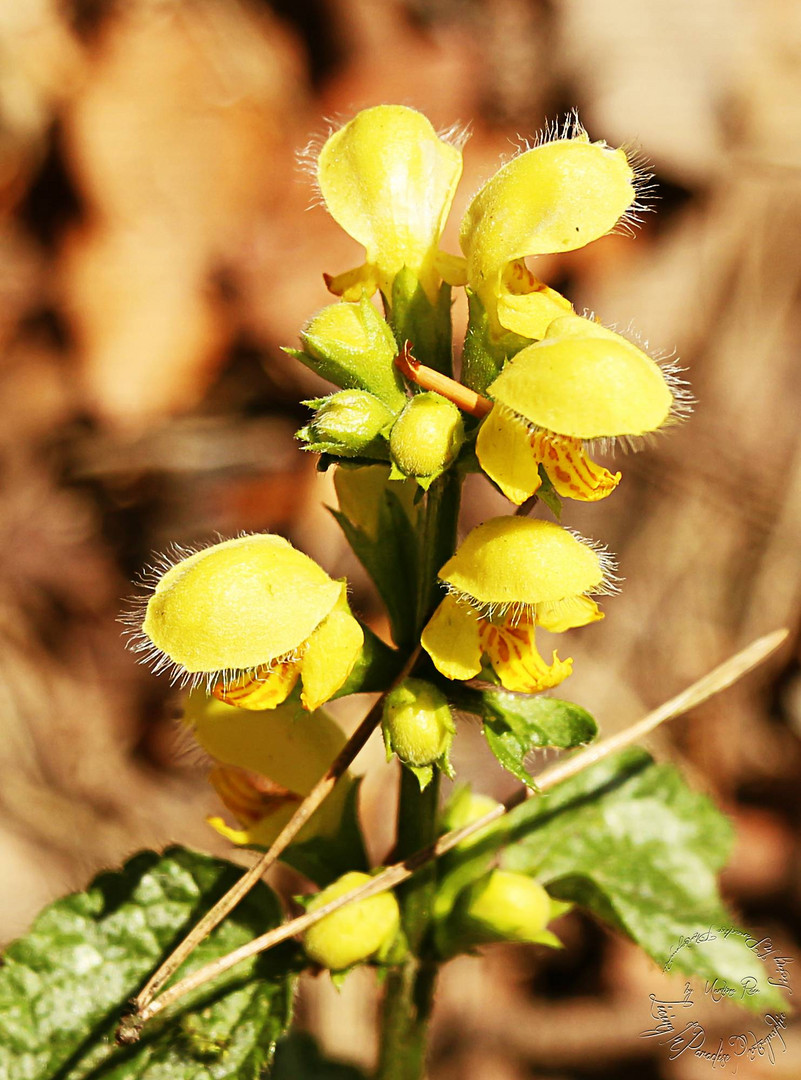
column 580, row 383
column 555, row 197
column 266, row 764
column 510, row 575
column 388, row 179
column 249, row 617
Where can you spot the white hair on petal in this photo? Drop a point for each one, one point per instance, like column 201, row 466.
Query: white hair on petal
column 645, row 191
column 456, row 134
column 154, row 658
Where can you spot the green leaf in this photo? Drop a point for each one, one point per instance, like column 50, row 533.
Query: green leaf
column 628, row 840
column 516, row 724
column 297, row 1057
column 391, row 561
column 65, row 984
column 427, row 326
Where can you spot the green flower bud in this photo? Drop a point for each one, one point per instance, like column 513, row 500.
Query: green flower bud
column 353, row 347
column 426, row 438
column 355, row 932
column 419, row 728
column 464, row 808
column 500, row 906
column 351, row 423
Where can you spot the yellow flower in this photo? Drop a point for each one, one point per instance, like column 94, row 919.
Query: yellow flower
column 581, row 383
column 555, row 197
column 265, row 764
column 248, row 617
column 510, row 575
column 388, row 179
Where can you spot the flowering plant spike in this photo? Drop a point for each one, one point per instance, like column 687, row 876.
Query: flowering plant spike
column 265, row 636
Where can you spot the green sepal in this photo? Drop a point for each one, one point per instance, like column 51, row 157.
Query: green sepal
column 65, row 984
column 348, row 424
column 427, row 326
column 484, row 356
column 363, row 364
column 516, row 724
column 424, row 774
column 547, row 493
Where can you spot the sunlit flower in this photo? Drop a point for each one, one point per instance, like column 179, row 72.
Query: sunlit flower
column 388, row 179
column 509, row 576
column 265, row 764
column 555, row 197
column 581, row 383
column 248, row 618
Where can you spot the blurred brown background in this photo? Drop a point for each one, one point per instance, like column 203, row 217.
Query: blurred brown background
column 156, row 250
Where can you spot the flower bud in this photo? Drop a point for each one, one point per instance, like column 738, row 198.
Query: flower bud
column 500, row 906
column 353, row 347
column 355, row 932
column 350, row 423
column 417, row 724
column 426, row 437
column 464, row 808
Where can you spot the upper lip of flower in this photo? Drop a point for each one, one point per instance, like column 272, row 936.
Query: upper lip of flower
column 556, row 196
column 388, row 179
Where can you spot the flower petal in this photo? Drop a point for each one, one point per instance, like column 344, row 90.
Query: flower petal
column 520, row 561
column 330, row 654
column 290, row 746
column 262, row 689
column 573, row 474
column 451, row 639
column 560, row 615
column 389, row 180
column 556, row 197
column 503, row 449
column 530, row 314
column 238, row 604
column 623, row 391
column 512, row 651
column 352, row 284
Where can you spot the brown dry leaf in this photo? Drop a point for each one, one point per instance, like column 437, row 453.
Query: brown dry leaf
column 665, row 74
column 40, row 64
column 173, row 144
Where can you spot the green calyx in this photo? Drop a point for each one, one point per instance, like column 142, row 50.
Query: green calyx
column 500, row 906
column 350, row 423
column 359, row 931
column 426, row 438
column 353, row 347
column 419, row 728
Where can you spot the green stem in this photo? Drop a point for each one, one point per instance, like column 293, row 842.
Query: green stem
column 409, row 992
column 437, row 540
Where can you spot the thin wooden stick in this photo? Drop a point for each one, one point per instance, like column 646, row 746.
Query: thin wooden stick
column 718, row 679
column 465, row 399
column 226, row 903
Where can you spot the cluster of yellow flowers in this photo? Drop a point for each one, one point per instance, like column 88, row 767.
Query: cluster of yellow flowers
column 252, row 618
